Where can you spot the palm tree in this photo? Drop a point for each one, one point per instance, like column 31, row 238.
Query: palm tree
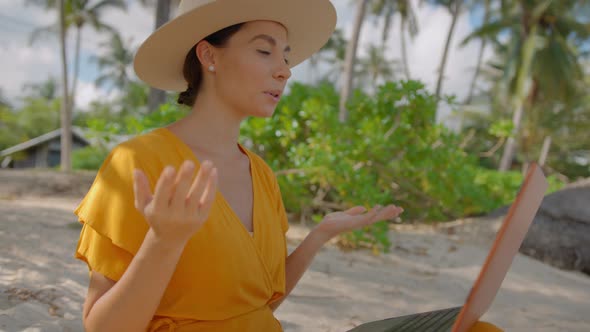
column 115, row 63
column 72, row 13
column 3, row 100
column 332, row 53
column 83, row 14
column 78, row 14
column 66, row 111
column 482, row 47
column 454, row 7
column 375, row 66
column 541, row 57
column 350, row 58
column 387, row 9
column 161, row 16
column 552, row 68
column 45, row 90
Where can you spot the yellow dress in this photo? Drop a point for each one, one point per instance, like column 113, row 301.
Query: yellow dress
column 226, row 277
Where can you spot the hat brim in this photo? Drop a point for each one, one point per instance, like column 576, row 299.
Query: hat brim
column 159, row 60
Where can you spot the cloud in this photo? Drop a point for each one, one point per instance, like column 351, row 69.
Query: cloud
column 21, row 62
column 88, row 92
column 20, row 65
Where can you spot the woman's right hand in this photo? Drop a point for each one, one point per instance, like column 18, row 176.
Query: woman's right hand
column 178, row 208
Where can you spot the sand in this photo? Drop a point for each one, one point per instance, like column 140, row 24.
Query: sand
column 42, row 287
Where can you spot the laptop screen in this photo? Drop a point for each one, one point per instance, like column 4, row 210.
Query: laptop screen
column 506, row 245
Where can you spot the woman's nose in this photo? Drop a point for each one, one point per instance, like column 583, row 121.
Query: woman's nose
column 283, row 72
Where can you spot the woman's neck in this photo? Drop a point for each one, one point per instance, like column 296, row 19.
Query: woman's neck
column 212, row 127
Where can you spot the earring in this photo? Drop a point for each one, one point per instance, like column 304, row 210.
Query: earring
column 211, row 68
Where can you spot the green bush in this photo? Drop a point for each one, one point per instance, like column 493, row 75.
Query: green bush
column 502, row 187
column 89, row 158
column 389, row 151
column 136, row 124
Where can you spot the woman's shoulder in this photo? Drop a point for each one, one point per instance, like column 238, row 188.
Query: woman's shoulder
column 149, row 151
column 141, row 148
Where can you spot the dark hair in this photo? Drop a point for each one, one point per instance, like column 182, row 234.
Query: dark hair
column 192, row 68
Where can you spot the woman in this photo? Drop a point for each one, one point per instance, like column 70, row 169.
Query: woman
column 168, row 249
column 184, row 228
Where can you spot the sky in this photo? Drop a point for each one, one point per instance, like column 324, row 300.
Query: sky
column 22, row 62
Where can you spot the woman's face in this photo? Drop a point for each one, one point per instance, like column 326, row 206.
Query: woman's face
column 252, row 70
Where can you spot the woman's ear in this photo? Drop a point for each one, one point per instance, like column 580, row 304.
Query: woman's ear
column 205, row 53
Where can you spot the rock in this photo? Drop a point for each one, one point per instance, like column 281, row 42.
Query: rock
column 560, row 233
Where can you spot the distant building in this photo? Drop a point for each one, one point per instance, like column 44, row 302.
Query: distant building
column 45, row 151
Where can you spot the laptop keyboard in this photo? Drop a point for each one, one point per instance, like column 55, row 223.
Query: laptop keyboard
column 432, row 321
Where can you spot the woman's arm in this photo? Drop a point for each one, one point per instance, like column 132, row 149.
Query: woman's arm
column 333, row 224
column 298, row 262
column 130, row 303
column 177, row 210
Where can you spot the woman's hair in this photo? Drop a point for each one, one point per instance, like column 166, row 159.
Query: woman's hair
column 192, row 69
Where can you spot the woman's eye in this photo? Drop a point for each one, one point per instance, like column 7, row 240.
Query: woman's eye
column 268, row 53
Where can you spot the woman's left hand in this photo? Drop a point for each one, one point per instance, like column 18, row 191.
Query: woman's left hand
column 343, row 221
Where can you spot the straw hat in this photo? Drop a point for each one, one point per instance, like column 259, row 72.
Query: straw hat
column 160, row 58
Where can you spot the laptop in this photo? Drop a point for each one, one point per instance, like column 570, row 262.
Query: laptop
column 484, row 290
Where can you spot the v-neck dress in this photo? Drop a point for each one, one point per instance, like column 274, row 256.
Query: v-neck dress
column 226, row 277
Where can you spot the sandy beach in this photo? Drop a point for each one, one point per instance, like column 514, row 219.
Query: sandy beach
column 42, row 287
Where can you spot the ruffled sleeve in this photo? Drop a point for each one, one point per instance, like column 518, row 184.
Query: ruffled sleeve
column 113, row 229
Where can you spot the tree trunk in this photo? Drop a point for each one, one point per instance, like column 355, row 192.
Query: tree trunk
column 351, row 59
column 455, row 9
column 404, row 49
column 544, row 151
column 510, row 147
column 312, row 68
column 479, row 56
column 157, row 97
column 74, row 89
column 518, row 96
column 375, row 77
column 66, row 122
